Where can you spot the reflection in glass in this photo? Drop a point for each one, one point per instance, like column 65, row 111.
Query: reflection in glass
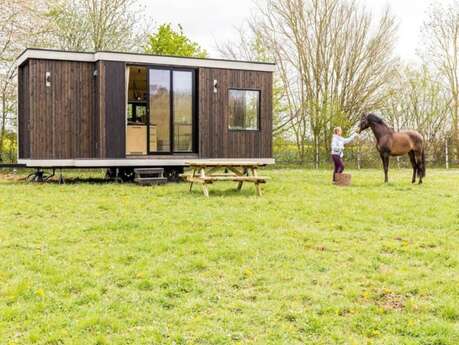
column 243, row 109
column 160, row 110
column 183, row 111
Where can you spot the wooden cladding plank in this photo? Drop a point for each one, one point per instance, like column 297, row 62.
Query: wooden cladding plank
column 101, row 110
column 115, row 109
column 204, row 94
column 31, row 108
column 95, row 113
column 60, row 116
column 23, row 112
column 216, row 140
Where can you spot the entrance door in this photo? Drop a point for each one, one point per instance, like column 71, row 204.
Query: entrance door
column 137, row 110
column 170, row 128
column 160, row 111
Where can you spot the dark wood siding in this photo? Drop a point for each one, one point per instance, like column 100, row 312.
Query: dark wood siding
column 83, row 116
column 215, row 140
column 60, row 120
column 100, row 109
column 115, row 109
column 23, row 112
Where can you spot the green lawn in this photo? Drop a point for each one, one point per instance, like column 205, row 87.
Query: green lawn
column 308, row 263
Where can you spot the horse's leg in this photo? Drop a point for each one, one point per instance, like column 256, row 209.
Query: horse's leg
column 420, row 165
column 414, row 165
column 386, row 168
column 385, row 160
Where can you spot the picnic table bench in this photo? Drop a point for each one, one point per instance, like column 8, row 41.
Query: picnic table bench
column 207, row 172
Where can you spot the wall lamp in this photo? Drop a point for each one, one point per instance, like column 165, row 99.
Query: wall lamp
column 48, row 79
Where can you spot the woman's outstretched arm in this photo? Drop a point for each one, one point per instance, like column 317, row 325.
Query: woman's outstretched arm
column 348, row 140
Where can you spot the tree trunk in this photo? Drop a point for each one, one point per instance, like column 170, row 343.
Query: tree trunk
column 300, row 146
column 316, row 151
column 446, row 155
column 3, row 126
column 455, row 124
column 456, row 138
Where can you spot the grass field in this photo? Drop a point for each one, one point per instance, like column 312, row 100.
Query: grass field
column 308, row 263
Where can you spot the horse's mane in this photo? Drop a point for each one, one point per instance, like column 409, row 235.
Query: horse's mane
column 374, row 118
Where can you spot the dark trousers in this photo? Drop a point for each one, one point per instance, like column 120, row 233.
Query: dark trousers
column 339, row 165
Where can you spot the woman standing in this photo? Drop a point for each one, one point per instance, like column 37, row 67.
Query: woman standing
column 337, row 149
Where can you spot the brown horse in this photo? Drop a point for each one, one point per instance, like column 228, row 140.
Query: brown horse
column 391, row 143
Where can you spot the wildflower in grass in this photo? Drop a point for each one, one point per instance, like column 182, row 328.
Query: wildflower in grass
column 248, row 273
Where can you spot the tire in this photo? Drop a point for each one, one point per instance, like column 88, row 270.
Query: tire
column 173, row 174
column 126, row 174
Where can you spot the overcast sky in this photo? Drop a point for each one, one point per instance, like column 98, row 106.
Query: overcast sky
column 211, row 21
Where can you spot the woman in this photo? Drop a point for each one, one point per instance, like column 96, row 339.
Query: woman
column 337, row 148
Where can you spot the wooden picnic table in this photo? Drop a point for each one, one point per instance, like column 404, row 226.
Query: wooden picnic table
column 207, row 172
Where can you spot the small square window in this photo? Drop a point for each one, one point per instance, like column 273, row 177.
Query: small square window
column 243, row 109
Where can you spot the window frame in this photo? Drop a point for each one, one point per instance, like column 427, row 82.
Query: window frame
column 194, row 111
column 258, row 129
column 195, row 101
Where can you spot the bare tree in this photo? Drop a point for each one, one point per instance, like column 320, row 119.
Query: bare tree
column 441, row 32
column 333, row 60
column 417, row 100
column 250, row 47
column 96, row 24
column 20, row 26
column 66, row 24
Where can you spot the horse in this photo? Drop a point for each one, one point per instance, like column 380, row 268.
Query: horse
column 392, row 143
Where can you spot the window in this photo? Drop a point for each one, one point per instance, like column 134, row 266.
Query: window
column 243, row 109
column 183, row 111
column 137, row 113
column 160, row 110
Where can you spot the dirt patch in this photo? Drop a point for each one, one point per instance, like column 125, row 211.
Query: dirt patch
column 11, row 177
column 391, row 301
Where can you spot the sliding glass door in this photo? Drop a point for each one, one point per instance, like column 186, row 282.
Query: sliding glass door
column 171, row 110
column 160, row 111
column 183, row 110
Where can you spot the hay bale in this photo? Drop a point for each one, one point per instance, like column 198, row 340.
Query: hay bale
column 343, row 179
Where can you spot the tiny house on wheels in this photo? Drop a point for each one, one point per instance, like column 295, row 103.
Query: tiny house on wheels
column 123, row 111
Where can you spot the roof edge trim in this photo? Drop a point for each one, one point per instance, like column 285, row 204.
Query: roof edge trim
column 49, row 54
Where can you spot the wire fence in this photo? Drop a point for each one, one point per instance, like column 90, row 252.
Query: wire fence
column 356, row 156
column 362, row 157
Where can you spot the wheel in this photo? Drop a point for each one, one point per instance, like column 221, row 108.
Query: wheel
column 126, row 174
column 37, row 176
column 173, row 174
column 110, row 174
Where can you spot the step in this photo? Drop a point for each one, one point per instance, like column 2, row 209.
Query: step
column 141, row 176
column 147, row 171
column 150, row 180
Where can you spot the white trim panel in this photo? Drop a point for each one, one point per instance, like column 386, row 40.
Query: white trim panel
column 143, row 59
column 54, row 55
column 103, row 163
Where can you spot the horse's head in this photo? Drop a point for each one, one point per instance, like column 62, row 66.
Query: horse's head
column 364, row 122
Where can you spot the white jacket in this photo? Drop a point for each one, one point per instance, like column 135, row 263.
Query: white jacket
column 338, row 142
